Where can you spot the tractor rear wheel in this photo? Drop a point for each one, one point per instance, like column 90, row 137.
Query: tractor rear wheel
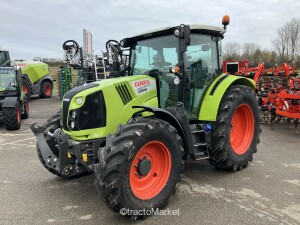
column 46, row 89
column 12, row 117
column 236, row 134
column 140, row 165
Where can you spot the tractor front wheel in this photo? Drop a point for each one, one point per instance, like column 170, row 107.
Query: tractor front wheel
column 236, row 134
column 12, row 117
column 140, row 165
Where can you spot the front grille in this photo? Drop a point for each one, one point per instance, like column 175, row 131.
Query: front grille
column 123, row 92
column 67, row 100
column 93, row 113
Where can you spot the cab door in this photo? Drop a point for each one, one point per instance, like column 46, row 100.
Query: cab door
column 201, row 66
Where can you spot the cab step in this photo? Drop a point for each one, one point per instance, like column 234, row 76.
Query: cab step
column 201, row 141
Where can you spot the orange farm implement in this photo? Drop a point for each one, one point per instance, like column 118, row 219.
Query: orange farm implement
column 278, row 90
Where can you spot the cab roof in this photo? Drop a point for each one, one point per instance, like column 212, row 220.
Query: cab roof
column 2, row 49
column 195, row 28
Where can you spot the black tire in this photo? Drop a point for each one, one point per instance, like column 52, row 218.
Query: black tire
column 115, row 162
column 27, row 85
column 222, row 154
column 46, row 89
column 25, row 113
column 51, row 125
column 12, row 117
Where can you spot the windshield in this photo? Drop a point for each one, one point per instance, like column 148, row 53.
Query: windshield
column 157, row 53
column 7, row 78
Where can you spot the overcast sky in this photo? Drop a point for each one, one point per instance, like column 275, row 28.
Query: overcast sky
column 39, row 27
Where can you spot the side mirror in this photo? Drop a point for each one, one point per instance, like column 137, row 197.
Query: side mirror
column 125, row 43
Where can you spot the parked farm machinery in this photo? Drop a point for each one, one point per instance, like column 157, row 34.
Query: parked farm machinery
column 64, row 80
column 93, row 67
column 76, row 59
column 278, row 91
column 90, row 67
column 35, row 75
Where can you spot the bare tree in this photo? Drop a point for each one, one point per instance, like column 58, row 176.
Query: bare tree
column 248, row 51
column 286, row 45
column 294, row 36
column 281, row 42
column 287, row 41
column 232, row 51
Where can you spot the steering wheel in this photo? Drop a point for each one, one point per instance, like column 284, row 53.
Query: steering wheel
column 69, row 44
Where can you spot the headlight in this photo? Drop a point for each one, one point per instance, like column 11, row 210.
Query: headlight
column 79, row 100
column 72, row 124
column 73, row 114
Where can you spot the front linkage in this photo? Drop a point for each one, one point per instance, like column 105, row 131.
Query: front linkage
column 62, row 156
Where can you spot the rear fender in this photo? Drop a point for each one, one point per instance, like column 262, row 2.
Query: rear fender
column 45, row 78
column 213, row 96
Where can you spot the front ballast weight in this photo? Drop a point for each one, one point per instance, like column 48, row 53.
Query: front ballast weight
column 66, row 157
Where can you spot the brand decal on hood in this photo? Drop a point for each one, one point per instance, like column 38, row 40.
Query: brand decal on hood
column 143, row 86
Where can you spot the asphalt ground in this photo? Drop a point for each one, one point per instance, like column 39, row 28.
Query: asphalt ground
column 267, row 192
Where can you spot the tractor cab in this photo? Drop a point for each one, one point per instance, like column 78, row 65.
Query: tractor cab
column 4, row 58
column 10, row 82
column 184, row 59
column 13, row 102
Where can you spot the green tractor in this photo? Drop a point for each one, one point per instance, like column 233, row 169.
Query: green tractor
column 36, row 79
column 13, row 102
column 169, row 104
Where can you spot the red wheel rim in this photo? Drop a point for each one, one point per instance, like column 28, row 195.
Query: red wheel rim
column 25, row 89
column 18, row 115
column 242, row 129
column 48, row 90
column 148, row 186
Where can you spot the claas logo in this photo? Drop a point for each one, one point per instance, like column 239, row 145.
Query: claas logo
column 141, row 83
